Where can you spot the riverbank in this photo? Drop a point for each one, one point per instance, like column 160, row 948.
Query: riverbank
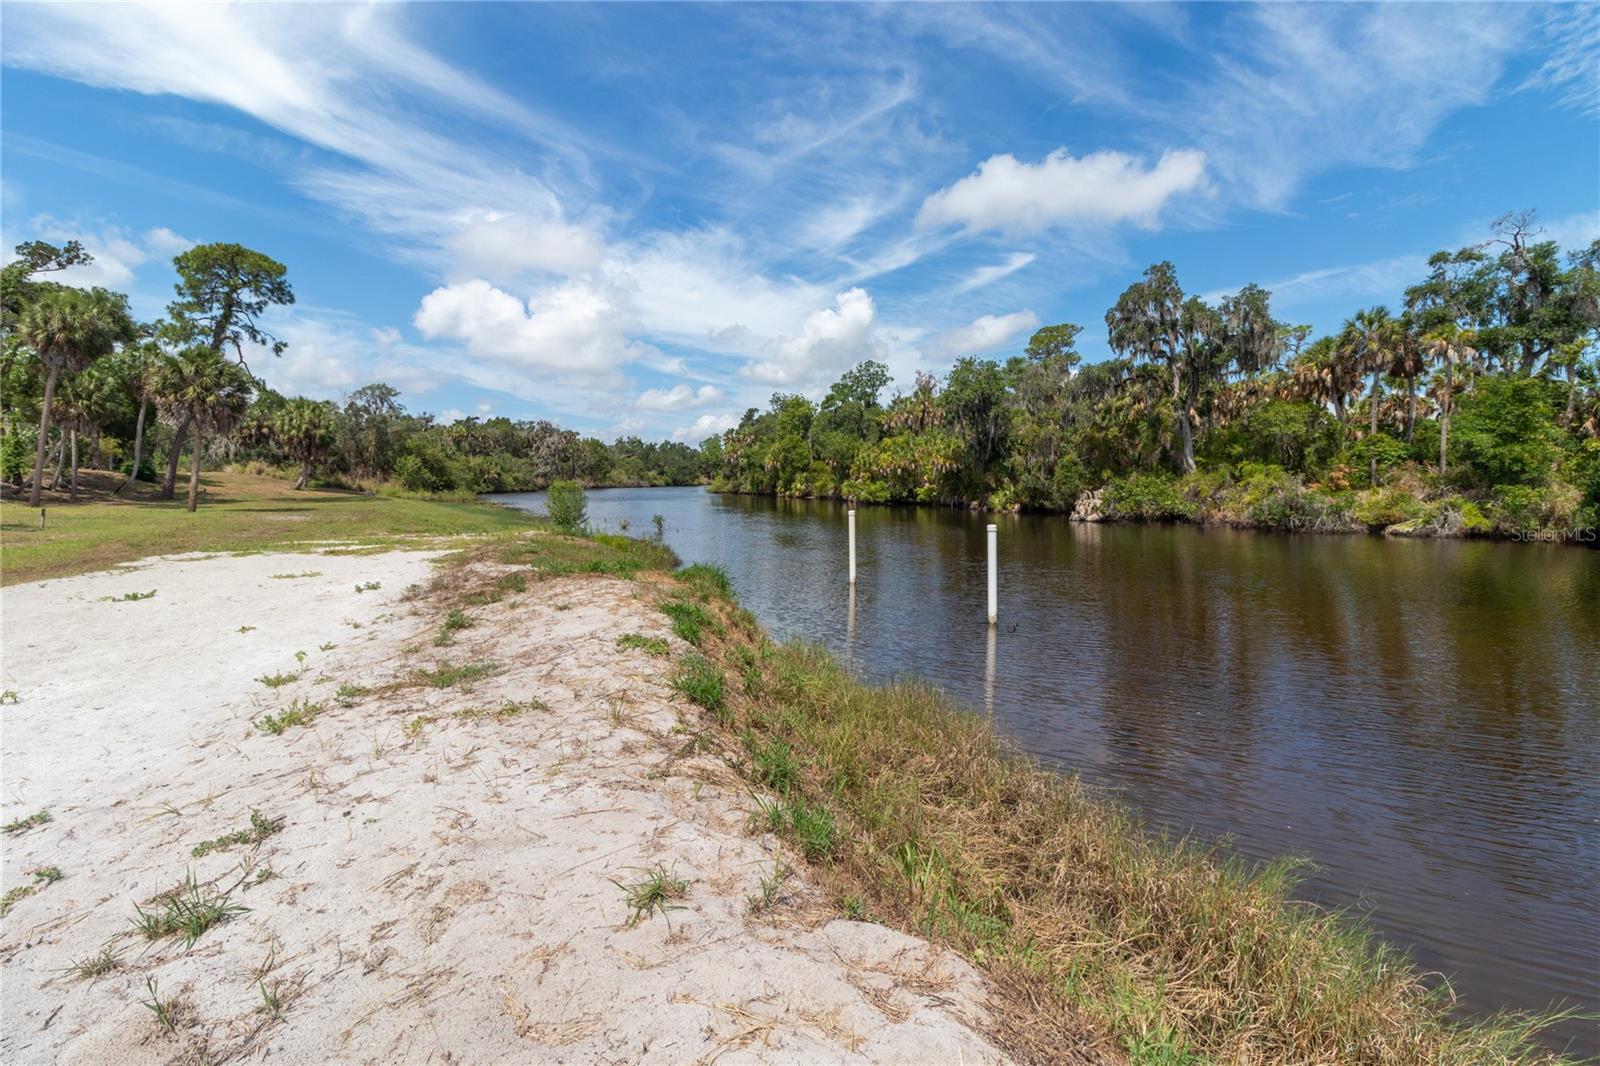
column 1408, row 504
column 891, row 806
column 360, row 807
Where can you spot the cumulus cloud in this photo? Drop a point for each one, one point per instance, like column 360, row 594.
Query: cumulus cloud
column 574, row 329
column 983, row 334
column 831, row 339
column 704, row 426
column 506, row 246
column 1102, row 188
column 678, row 398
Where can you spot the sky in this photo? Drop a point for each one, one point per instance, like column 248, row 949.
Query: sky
column 643, row 219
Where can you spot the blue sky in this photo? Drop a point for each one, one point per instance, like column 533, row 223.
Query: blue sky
column 643, row 219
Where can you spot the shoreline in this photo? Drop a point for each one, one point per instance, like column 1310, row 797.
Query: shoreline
column 1449, row 530
column 885, row 807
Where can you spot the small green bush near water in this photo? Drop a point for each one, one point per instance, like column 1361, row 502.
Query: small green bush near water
column 567, row 507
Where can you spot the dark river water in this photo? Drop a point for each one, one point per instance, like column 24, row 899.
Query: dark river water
column 1419, row 719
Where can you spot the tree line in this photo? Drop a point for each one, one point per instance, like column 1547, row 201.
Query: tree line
column 83, row 383
column 1474, row 407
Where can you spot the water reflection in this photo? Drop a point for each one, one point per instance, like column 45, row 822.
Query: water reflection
column 1421, row 719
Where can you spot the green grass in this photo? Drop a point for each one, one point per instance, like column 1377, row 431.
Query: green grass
column 508, row 709
column 656, row 646
column 280, row 680
column 187, row 912
column 702, row 681
column 22, row 825
column 95, row 965
column 454, row 622
column 261, row 827
column 450, row 675
column 708, row 581
column 239, row 512
column 129, row 597
column 299, row 713
column 690, row 620
column 654, row 894
column 348, row 693
column 44, row 875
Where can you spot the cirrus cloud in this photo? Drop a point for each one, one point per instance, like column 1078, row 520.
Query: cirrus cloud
column 984, row 334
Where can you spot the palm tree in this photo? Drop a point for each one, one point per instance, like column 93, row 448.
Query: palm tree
column 208, row 392
column 1406, row 361
column 82, row 407
column 304, row 429
column 1367, row 343
column 69, row 329
column 139, row 365
column 1450, row 344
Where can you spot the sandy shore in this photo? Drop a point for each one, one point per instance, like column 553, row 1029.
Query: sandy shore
column 444, row 886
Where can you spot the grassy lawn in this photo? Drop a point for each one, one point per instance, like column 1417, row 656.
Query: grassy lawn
column 238, row 512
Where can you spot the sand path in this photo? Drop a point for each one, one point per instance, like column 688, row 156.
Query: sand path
column 442, row 888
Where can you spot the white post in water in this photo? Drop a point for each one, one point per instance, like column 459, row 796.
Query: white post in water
column 852, row 513
column 994, row 597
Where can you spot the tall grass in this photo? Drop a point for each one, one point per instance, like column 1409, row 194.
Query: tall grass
column 1166, row 949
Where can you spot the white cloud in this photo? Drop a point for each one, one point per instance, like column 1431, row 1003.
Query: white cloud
column 1305, row 88
column 984, row 334
column 831, row 339
column 987, row 275
column 330, row 353
column 678, row 398
column 1572, row 69
column 574, row 329
column 506, row 246
column 118, row 252
column 1102, row 188
column 703, row 427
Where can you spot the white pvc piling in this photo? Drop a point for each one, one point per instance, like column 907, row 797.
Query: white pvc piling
column 852, row 514
column 994, row 593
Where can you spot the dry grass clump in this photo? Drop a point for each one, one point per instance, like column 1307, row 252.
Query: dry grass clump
column 1170, row 951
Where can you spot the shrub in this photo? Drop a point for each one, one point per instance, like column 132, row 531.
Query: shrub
column 1389, row 453
column 1505, row 432
column 1146, row 497
column 567, row 507
column 14, row 458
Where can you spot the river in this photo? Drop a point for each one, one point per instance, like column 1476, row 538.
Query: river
column 1420, row 719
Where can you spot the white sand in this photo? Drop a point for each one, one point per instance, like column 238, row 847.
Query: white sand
column 442, row 895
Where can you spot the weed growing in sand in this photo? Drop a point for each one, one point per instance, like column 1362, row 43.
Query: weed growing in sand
column 449, row 675
column 261, row 827
column 508, row 709
column 369, row 586
column 512, row 583
column 301, row 713
column 774, row 763
column 271, row 1002
column 94, row 966
column 128, row 597
column 279, row 680
column 813, row 827
column 291, row 577
column 771, row 887
column 347, row 693
column 656, row 646
column 454, row 622
column 689, row 620
column 263, row 875
column 701, row 681
column 563, row 606
column 165, row 1010
column 44, row 875
column 48, row 874
column 245, row 629
column 329, row 646
column 855, row 908
column 653, row 895
column 414, row 728
column 10, row 696
column 22, row 825
column 186, row 912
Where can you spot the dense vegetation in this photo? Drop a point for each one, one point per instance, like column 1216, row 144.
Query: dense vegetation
column 80, row 380
column 1473, row 410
